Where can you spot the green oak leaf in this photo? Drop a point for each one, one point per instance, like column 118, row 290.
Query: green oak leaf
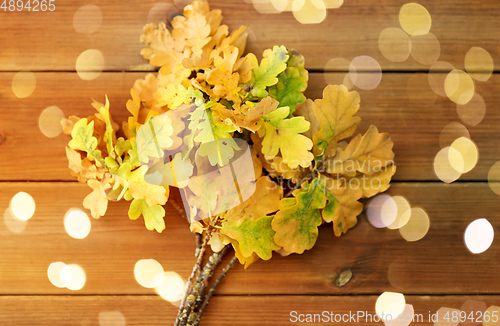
column 291, row 82
column 83, row 140
column 253, row 235
column 296, row 223
column 272, row 64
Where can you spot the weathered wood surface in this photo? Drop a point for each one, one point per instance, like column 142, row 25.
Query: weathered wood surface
column 225, row 310
column 414, row 123
column 43, row 41
column 437, row 271
column 380, row 259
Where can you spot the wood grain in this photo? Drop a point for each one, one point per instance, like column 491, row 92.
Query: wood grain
column 379, row 259
column 412, row 114
column 224, row 310
column 46, row 41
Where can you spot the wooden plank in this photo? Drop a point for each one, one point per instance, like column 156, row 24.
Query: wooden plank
column 412, row 114
column 42, row 41
column 222, row 310
column 379, row 259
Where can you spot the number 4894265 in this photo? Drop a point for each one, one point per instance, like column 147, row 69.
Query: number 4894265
column 29, row 5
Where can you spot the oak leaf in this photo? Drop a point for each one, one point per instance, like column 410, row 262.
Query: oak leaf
column 153, row 215
column 291, row 83
column 335, row 113
column 284, row 134
column 367, row 154
column 272, row 64
column 296, row 223
column 343, row 206
column 253, row 235
column 162, row 48
column 97, row 201
column 153, row 137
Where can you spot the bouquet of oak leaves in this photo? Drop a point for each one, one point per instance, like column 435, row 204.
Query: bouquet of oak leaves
column 259, row 166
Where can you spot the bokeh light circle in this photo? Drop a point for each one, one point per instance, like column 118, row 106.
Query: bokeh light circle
column 479, row 236
column 162, row 12
column 494, row 178
column 390, row 303
column 444, row 169
column 425, row 49
column 333, row 4
column 73, row 277
column 443, row 317
column 87, row 19
column 417, row 227
column 54, row 273
column 23, row 84
column 478, row 63
column 90, row 64
column 381, row 211
column 452, row 131
column 474, row 111
column 394, row 44
column 365, row 72
column 149, row 273
column 488, row 319
column 77, row 223
column 49, row 121
column 437, row 76
column 309, row 11
column 172, row 287
column 112, row 318
column 468, row 152
column 22, row 206
column 459, row 86
column 415, row 19
column 13, row 224
column 403, row 212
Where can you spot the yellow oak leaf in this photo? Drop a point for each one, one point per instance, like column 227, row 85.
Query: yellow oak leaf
column 83, row 169
column 367, row 154
column 335, row 114
column 284, row 134
column 376, row 183
column 194, row 29
column 305, row 109
column 214, row 17
column 343, row 206
column 280, row 168
column 225, row 84
column 264, row 201
column 97, row 201
column 245, row 261
column 226, row 61
column 162, row 48
column 68, row 124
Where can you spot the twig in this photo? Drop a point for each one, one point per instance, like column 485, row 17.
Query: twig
column 183, row 309
column 202, row 282
column 212, row 289
column 178, row 208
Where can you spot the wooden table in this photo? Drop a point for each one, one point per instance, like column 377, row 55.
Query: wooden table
column 437, row 271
